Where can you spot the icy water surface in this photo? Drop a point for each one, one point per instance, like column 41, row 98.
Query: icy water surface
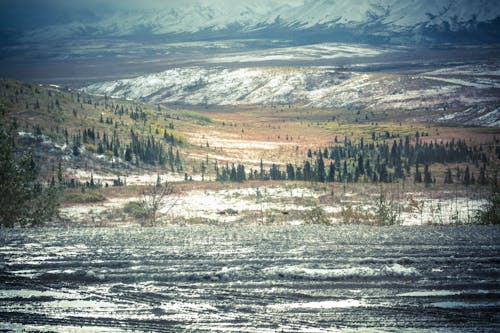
column 251, row 279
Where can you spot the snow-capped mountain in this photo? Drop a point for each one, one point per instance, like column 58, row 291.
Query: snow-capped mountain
column 368, row 20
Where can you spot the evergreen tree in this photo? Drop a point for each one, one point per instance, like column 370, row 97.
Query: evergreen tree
column 128, row 155
column 427, row 175
column 24, row 200
column 448, row 179
column 418, row 175
column 240, row 173
column 307, row 171
column 360, row 168
column 344, row 171
column 384, row 174
column 203, row 169
column 290, row 172
column 216, row 169
column 320, row 169
column 482, row 176
column 490, row 213
column 467, row 180
column 261, row 170
column 331, row 173
column 232, row 175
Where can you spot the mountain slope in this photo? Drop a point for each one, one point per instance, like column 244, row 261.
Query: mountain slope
column 391, row 20
column 454, row 89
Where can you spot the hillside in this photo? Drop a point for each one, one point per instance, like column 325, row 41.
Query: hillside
column 104, row 137
column 97, row 135
column 466, row 94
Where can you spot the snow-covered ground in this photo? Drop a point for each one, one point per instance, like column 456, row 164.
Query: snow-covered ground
column 324, row 51
column 144, row 178
column 284, row 204
column 250, row 278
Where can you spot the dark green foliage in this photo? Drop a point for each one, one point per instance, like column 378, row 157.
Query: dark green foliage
column 417, row 178
column 467, row 178
column 150, row 151
column 386, row 212
column 290, row 171
column 482, row 176
column 24, row 199
column 231, row 174
column 490, row 213
column 118, row 182
column 320, row 169
column 376, row 161
column 448, row 179
column 427, row 176
column 136, row 209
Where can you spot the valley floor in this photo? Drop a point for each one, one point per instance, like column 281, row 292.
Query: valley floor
column 272, row 202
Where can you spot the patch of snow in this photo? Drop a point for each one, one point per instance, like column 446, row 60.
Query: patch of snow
column 325, row 51
column 343, row 273
column 464, row 305
column 430, row 293
column 187, row 307
column 462, row 82
column 348, row 303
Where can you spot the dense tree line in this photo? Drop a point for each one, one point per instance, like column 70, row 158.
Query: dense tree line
column 140, row 149
column 385, row 159
column 232, row 174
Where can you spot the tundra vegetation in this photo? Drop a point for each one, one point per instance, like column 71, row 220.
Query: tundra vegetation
column 61, row 148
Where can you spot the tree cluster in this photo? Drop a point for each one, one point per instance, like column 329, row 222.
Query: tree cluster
column 378, row 161
column 25, row 199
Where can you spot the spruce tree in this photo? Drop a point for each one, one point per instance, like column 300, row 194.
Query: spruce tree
column 320, row 169
column 24, row 200
column 418, row 175
column 427, row 175
column 448, row 179
column 467, row 179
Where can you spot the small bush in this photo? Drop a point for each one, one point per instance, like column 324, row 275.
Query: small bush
column 90, row 147
column 490, row 213
column 316, row 215
column 231, row 212
column 355, row 215
column 386, row 211
column 86, row 197
column 136, row 209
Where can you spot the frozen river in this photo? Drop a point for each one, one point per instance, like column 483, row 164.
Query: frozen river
column 251, row 279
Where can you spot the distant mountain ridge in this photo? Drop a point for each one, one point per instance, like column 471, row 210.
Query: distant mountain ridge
column 469, row 92
column 392, row 21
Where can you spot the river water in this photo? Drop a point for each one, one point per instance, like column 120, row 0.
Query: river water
column 251, row 279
